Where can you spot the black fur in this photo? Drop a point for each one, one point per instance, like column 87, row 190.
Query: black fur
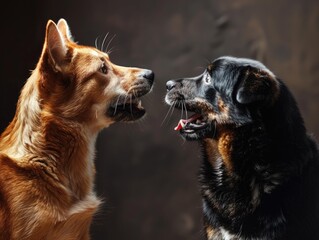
column 260, row 172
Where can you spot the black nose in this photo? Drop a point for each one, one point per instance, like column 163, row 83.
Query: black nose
column 170, row 85
column 149, row 75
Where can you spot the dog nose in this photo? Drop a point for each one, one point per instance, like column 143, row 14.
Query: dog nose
column 149, row 75
column 170, row 85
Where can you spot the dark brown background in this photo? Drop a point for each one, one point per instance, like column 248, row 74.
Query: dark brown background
column 146, row 172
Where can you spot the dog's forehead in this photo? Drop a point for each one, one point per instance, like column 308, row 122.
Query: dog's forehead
column 90, row 51
column 89, row 57
column 227, row 60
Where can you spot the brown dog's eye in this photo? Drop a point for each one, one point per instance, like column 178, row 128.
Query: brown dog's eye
column 103, row 68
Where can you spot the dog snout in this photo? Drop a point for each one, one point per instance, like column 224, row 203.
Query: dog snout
column 170, row 85
column 149, row 75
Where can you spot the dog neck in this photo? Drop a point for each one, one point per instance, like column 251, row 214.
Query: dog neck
column 229, row 144
column 219, row 147
column 62, row 148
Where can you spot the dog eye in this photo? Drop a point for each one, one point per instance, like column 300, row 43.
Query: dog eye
column 103, row 68
column 207, row 78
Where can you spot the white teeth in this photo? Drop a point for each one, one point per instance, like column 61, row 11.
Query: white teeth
column 183, row 124
column 139, row 105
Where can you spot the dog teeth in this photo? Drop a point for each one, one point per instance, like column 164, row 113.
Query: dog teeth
column 139, row 104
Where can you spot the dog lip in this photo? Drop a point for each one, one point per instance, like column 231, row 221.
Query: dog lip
column 192, row 105
column 130, row 105
column 183, row 122
column 195, row 122
column 126, row 108
column 122, row 100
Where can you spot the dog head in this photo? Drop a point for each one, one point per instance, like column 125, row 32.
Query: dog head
column 81, row 83
column 228, row 92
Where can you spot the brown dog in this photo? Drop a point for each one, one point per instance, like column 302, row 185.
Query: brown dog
column 47, row 151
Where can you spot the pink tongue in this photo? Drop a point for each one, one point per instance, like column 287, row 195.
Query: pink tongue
column 183, row 122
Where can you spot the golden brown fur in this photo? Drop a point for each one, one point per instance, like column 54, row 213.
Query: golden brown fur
column 47, row 151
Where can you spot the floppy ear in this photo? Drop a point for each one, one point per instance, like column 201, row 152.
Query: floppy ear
column 257, row 86
column 64, row 29
column 55, row 46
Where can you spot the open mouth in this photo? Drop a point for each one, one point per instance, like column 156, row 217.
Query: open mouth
column 192, row 124
column 197, row 126
column 126, row 108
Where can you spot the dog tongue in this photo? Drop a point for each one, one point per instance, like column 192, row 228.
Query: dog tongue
column 182, row 123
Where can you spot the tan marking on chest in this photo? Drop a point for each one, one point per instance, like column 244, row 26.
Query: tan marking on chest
column 225, row 149
column 210, row 232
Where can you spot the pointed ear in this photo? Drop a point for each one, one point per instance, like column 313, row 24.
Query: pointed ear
column 257, row 86
column 64, row 29
column 55, row 46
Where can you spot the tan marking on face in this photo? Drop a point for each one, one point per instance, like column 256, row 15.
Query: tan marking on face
column 221, row 105
column 223, row 116
column 203, row 104
column 211, row 116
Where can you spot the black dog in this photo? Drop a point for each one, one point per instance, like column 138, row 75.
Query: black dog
column 260, row 172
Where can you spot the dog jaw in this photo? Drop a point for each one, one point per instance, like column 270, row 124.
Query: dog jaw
column 226, row 93
column 81, row 83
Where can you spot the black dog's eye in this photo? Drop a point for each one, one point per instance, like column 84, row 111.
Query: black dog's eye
column 103, row 68
column 207, row 78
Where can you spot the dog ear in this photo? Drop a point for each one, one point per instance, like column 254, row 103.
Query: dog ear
column 65, row 30
column 55, row 46
column 257, row 86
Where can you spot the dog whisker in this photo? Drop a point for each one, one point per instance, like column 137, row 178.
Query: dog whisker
column 117, row 101
column 134, row 93
column 96, row 42
column 107, row 46
column 102, row 46
column 131, row 109
column 185, row 109
column 174, row 105
column 111, row 50
column 171, row 108
column 182, row 105
column 127, row 94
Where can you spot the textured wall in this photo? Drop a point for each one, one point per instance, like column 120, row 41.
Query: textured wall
column 145, row 172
